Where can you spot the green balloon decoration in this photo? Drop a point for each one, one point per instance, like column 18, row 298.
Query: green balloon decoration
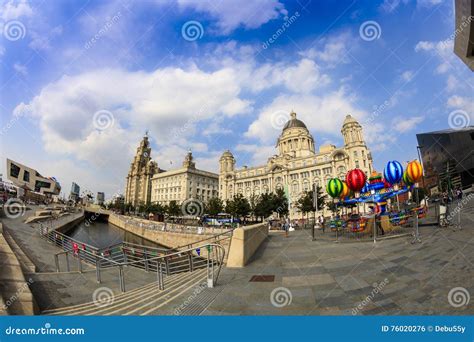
column 334, row 187
column 406, row 179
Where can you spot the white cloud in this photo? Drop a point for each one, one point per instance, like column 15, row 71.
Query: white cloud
column 233, row 14
column 10, row 10
column 332, row 50
column 463, row 103
column 160, row 100
column 403, row 125
column 444, row 49
column 21, row 69
column 452, row 83
column 407, row 76
column 171, row 102
column 320, row 113
column 256, row 154
column 390, row 6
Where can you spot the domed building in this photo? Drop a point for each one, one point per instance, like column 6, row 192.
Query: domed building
column 297, row 166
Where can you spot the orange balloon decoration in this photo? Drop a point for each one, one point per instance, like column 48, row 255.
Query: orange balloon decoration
column 414, row 171
column 345, row 190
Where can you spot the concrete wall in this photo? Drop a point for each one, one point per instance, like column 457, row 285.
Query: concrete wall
column 14, row 289
column 245, row 242
column 164, row 238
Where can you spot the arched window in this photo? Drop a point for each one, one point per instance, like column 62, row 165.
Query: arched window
column 305, row 185
column 295, row 188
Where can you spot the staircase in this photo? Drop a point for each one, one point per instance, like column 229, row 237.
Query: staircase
column 145, row 300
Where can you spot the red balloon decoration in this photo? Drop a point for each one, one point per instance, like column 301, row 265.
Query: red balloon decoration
column 355, row 179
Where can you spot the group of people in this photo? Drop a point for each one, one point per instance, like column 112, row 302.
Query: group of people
column 449, row 196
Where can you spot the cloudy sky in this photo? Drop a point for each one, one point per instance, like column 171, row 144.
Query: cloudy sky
column 82, row 81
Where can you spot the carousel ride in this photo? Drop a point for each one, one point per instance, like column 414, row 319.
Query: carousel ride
column 375, row 191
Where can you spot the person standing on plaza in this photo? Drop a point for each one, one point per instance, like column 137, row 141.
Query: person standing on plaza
column 322, row 223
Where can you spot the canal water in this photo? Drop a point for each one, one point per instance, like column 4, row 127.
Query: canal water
column 102, row 234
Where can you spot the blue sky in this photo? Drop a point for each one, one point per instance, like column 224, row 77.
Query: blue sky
column 82, row 81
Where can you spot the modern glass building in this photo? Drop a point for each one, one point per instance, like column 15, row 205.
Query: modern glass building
column 448, row 157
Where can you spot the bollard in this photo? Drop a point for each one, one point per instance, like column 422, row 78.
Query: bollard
column 375, row 228
column 159, row 272
column 67, row 262
column 146, row 259
column 79, row 263
column 97, row 270
column 56, row 261
column 121, row 280
column 210, row 282
column 167, row 265
column 190, row 260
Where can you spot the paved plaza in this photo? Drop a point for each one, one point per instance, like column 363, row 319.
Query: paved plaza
column 294, row 276
column 393, row 276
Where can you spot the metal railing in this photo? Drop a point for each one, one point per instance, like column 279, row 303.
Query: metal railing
column 210, row 256
column 207, row 252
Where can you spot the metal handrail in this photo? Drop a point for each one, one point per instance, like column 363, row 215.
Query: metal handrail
column 160, row 264
column 214, row 237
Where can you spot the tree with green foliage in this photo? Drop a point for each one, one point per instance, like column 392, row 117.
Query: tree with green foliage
column 214, row 206
column 173, row 209
column 305, row 203
column 157, row 209
column 238, row 206
column 280, row 203
column 253, row 202
column 265, row 205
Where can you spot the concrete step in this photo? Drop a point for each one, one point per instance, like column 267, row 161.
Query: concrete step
column 139, row 299
column 25, row 262
column 137, row 292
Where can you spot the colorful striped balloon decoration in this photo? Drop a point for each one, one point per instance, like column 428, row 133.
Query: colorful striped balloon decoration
column 355, row 179
column 393, row 172
column 345, row 190
column 334, row 187
column 406, row 179
column 415, row 170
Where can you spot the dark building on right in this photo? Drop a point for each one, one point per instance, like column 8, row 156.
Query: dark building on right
column 464, row 32
column 448, row 158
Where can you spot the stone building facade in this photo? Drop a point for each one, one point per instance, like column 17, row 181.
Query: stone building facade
column 297, row 166
column 142, row 169
column 184, row 183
